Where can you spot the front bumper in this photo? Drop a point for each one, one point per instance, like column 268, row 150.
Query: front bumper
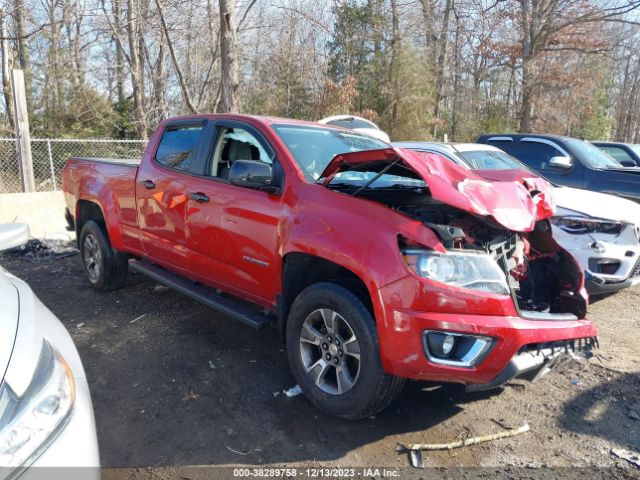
column 403, row 351
column 533, row 361
column 401, row 329
column 610, row 262
column 598, row 286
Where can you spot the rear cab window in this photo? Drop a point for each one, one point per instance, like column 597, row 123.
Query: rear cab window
column 177, row 146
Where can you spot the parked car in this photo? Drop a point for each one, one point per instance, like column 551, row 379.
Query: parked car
column 570, row 162
column 628, row 154
column 46, row 417
column 602, row 231
column 358, row 124
column 375, row 265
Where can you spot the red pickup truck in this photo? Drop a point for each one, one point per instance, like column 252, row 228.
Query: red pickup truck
column 376, row 264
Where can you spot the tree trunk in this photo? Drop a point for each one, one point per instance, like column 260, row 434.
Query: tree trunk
column 119, row 54
column 443, row 40
column 428, row 8
column 24, row 58
column 229, row 70
column 456, row 80
column 526, row 108
column 7, row 91
column 136, row 70
column 393, row 67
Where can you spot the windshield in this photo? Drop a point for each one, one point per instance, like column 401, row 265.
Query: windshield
column 591, row 155
column 314, row 147
column 489, row 160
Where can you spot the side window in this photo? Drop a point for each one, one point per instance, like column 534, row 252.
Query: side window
column 235, row 144
column 177, row 146
column 618, row 153
column 536, row 154
column 505, row 145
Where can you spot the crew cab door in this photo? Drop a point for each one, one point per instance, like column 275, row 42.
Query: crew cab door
column 233, row 231
column 161, row 196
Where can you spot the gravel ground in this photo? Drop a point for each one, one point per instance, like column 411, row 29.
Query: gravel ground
column 175, row 383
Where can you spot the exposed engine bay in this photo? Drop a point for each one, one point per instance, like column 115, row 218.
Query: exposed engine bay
column 543, row 278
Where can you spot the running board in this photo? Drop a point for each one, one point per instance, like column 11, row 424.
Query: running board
column 201, row 293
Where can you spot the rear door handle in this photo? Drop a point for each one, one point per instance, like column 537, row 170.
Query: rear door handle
column 148, row 184
column 199, row 197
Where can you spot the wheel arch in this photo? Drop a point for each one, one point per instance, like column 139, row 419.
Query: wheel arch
column 301, row 270
column 86, row 210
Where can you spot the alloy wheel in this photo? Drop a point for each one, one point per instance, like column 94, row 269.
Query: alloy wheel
column 330, row 351
column 92, row 256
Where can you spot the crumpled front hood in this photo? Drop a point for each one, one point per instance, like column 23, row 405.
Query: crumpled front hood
column 508, row 200
column 8, row 321
column 598, row 205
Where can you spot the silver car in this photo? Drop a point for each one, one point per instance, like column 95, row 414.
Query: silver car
column 46, row 416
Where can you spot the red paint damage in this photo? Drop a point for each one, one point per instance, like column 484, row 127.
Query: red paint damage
column 514, row 201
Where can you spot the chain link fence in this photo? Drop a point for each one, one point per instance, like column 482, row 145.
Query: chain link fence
column 50, row 154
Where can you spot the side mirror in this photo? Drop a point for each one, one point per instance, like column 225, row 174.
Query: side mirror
column 564, row 163
column 13, row 235
column 627, row 163
column 252, row 174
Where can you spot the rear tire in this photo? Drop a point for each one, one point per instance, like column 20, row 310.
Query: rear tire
column 105, row 268
column 333, row 352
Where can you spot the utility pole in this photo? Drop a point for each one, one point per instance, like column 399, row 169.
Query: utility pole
column 23, row 136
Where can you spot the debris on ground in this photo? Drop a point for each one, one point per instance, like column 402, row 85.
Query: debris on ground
column 628, row 455
column 138, row 318
column 243, row 452
column 415, row 449
column 160, row 289
column 633, row 411
column 293, row 391
column 211, row 365
column 45, row 248
column 191, row 395
column 80, row 325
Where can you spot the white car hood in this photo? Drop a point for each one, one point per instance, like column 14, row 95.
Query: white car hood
column 599, row 205
column 9, row 311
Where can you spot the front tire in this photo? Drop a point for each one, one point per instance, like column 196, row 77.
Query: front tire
column 333, row 351
column 105, row 268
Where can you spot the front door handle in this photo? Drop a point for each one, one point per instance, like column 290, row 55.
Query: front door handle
column 148, row 184
column 199, row 197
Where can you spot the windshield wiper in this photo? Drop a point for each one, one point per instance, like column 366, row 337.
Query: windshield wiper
column 375, row 177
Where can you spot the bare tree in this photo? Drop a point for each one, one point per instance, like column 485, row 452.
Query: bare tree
column 24, row 57
column 229, row 69
column 7, row 90
column 136, row 67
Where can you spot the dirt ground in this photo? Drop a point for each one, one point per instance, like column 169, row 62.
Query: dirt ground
column 175, row 383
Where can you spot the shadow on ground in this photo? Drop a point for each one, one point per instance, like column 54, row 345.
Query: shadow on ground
column 610, row 411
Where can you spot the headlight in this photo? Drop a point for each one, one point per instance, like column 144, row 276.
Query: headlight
column 581, row 225
column 29, row 423
column 477, row 271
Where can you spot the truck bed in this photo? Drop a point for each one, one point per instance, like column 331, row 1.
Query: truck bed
column 107, row 182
